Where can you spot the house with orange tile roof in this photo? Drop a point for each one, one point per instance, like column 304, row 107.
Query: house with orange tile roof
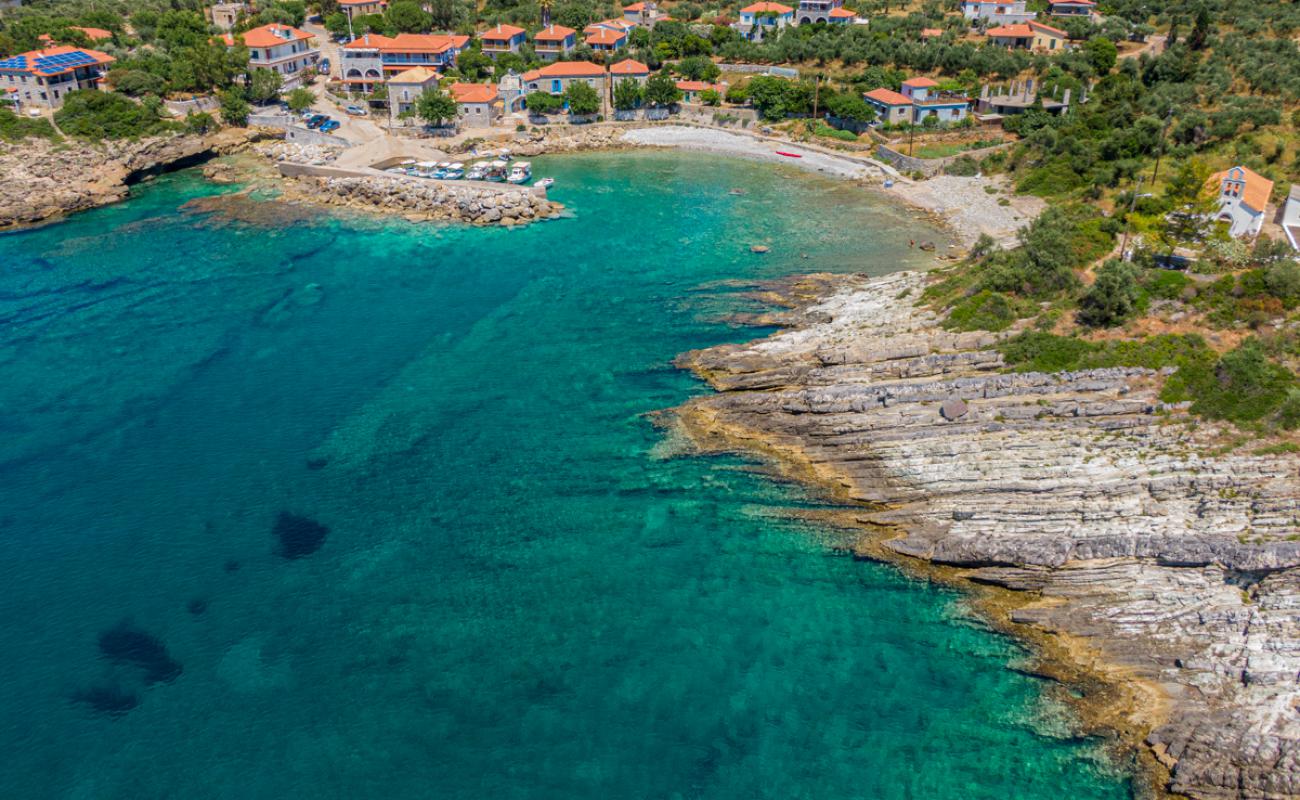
column 920, row 99
column 554, row 41
column 1243, row 200
column 405, row 88
column 92, row 35
column 280, row 48
column 604, row 40
column 478, row 104
column 370, row 59
column 629, row 68
column 644, row 13
column 45, row 77
column 1029, row 36
column 832, row 11
column 931, row 33
column 762, row 19
column 691, row 90
column 502, row 39
column 555, row 78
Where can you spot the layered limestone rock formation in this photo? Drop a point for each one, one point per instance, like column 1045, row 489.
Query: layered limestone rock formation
column 1177, row 562
column 425, row 200
column 46, row 180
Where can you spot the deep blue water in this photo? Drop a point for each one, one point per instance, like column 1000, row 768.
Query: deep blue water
column 525, row 589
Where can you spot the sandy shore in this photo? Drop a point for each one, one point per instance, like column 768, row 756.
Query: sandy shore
column 970, row 206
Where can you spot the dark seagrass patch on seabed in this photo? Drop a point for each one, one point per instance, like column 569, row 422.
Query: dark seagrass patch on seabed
column 112, row 701
column 298, row 536
column 127, row 645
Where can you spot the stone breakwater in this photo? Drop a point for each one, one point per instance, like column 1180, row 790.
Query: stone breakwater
column 44, row 180
column 1164, row 563
column 426, row 200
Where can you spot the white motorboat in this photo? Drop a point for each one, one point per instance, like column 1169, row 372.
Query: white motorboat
column 545, row 183
column 479, row 171
column 455, row 172
column 522, row 172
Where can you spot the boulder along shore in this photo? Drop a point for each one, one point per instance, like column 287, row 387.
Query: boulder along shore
column 1147, row 556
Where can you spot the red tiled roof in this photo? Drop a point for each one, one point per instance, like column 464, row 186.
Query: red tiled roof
column 842, row 13
column 408, row 43
column 1048, row 28
column 920, row 83
column 767, row 8
column 1072, row 3
column 1018, row 31
column 501, row 33
column 26, row 62
column 566, row 69
column 555, row 33
column 930, row 33
column 888, row 97
column 629, row 66
column 473, row 92
column 635, row 7
column 271, row 35
column 696, row 86
column 93, row 34
column 1256, row 191
column 606, row 37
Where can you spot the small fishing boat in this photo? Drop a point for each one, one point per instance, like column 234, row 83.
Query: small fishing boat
column 545, row 183
column 455, row 172
column 425, row 169
column 497, row 171
column 788, row 155
column 441, row 171
column 478, row 172
column 521, row 173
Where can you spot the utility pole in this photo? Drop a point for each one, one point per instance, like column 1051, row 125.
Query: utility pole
column 1123, row 248
column 817, row 85
column 1160, row 151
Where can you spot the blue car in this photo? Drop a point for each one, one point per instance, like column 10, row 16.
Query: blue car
column 317, row 120
column 330, row 126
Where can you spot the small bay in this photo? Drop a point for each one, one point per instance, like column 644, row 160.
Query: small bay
column 303, row 505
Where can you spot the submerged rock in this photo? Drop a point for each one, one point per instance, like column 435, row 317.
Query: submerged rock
column 130, row 646
column 298, row 536
column 111, row 701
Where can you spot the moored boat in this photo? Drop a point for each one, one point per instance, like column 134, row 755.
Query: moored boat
column 545, row 183
column 478, row 172
column 455, row 172
column 522, row 172
column 497, row 171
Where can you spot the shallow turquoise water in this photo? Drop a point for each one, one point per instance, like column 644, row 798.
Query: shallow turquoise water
column 524, row 591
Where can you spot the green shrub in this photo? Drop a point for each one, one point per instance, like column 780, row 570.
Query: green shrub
column 1113, row 298
column 91, row 114
column 1242, row 386
column 1166, row 284
column 986, row 311
column 1036, row 351
column 15, row 128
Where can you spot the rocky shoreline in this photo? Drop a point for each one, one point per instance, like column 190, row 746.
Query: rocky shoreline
column 1144, row 553
column 426, row 200
column 51, row 180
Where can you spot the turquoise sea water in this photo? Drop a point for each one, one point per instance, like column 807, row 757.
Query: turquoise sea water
column 523, row 591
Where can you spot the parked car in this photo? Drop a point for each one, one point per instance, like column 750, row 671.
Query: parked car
column 356, row 111
column 323, row 66
column 317, row 120
column 330, row 126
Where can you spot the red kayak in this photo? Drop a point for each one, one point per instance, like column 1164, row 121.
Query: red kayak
column 788, row 155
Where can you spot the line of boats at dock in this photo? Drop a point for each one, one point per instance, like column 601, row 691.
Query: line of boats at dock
column 499, row 170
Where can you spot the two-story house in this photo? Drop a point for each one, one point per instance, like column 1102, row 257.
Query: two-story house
column 405, row 88
column 280, row 48
column 1243, row 200
column 368, row 60
column 891, row 107
column 554, row 41
column 477, row 104
column 832, row 11
column 762, row 19
column 1067, row 9
column 502, row 39
column 1029, row 36
column 44, row 77
column 997, row 12
column 555, row 78
column 629, row 68
column 604, row 38
column 644, row 14
column 928, row 102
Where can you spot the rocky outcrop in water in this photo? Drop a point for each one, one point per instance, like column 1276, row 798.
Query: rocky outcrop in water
column 1173, row 563
column 44, row 180
column 427, row 200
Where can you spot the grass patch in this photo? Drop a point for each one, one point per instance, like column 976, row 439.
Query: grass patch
column 1037, row 351
column 946, row 149
column 987, row 311
column 1280, row 449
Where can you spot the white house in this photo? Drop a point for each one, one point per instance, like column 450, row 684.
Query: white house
column 1072, row 8
column 280, row 48
column 832, row 11
column 1243, row 199
column 761, row 19
column 405, row 88
column 1000, row 12
column 555, row 78
column 1291, row 217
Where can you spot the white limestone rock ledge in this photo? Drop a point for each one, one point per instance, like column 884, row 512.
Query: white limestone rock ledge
column 1180, row 566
